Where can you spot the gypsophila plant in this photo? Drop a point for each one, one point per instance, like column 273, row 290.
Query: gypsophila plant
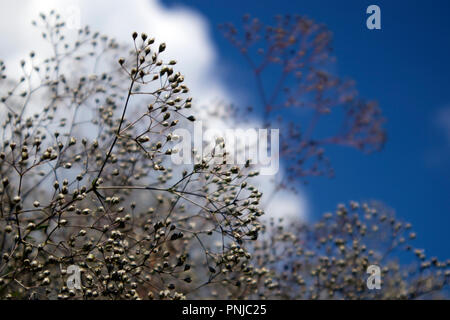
column 329, row 259
column 292, row 64
column 86, row 177
column 86, row 140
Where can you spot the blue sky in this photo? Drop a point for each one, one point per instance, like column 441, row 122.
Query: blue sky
column 405, row 67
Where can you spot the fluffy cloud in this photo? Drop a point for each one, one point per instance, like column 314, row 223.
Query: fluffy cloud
column 188, row 39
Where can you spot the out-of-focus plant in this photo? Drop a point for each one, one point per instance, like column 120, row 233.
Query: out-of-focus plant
column 293, row 68
column 292, row 64
column 330, row 259
column 87, row 179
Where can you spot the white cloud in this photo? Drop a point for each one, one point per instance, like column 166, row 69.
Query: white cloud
column 188, row 39
column 286, row 205
column 185, row 32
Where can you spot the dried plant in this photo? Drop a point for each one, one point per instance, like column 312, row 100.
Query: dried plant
column 87, row 180
column 292, row 64
column 329, row 260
